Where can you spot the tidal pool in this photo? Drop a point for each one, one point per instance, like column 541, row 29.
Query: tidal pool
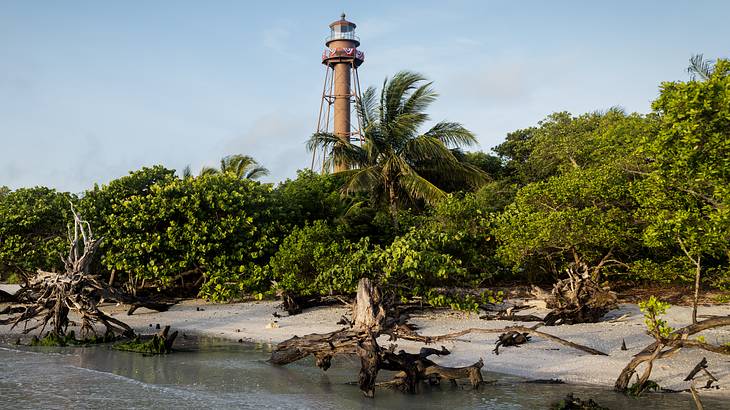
column 218, row 374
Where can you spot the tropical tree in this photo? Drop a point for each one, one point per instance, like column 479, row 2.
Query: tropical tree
column 241, row 166
column 686, row 197
column 397, row 165
column 576, row 205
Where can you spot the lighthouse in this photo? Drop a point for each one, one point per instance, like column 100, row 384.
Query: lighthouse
column 341, row 89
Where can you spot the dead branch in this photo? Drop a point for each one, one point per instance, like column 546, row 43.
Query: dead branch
column 701, row 365
column 528, row 330
column 509, row 314
column 55, row 294
column 666, row 347
column 510, row 338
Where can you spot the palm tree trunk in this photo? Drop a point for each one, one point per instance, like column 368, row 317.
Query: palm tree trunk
column 393, row 202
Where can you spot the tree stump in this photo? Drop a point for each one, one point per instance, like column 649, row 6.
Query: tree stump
column 578, row 299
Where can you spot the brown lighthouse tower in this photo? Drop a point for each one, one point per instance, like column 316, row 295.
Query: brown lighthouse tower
column 341, row 87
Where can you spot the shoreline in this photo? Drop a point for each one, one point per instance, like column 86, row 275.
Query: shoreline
column 539, row 359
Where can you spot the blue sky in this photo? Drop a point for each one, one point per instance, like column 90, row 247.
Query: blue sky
column 90, row 90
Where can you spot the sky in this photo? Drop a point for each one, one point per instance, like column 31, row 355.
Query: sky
column 91, row 90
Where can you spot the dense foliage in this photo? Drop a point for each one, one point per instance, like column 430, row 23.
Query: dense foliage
column 635, row 197
column 218, row 226
column 32, row 230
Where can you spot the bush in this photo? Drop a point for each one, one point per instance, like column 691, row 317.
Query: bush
column 310, row 197
column 316, row 259
column 219, row 226
column 33, row 230
column 102, row 206
column 452, row 247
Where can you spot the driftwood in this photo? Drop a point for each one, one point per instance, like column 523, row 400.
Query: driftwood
column 374, row 315
column 50, row 296
column 509, row 314
column 528, row 330
column 664, row 347
column 295, row 304
column 700, row 366
column 578, row 299
column 511, row 338
column 136, row 303
column 695, row 395
column 570, row 402
column 370, row 319
column 415, row 368
column 6, row 297
column 55, row 294
column 9, row 310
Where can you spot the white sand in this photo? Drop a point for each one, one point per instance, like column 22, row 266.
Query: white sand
column 538, row 359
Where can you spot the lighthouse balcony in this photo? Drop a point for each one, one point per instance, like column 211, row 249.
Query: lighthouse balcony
column 337, row 35
column 343, row 54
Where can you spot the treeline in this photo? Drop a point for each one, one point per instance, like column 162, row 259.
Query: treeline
column 636, row 198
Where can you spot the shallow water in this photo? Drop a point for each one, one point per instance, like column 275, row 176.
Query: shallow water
column 210, row 373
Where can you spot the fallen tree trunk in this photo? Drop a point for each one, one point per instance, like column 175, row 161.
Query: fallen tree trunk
column 370, row 319
column 509, row 314
column 668, row 346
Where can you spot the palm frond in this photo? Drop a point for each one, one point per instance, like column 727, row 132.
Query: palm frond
column 699, row 67
column 367, row 106
column 428, row 148
column 405, row 126
column 417, row 186
column 362, row 179
column 348, row 153
column 420, row 99
column 187, row 172
column 322, row 140
column 257, row 172
column 242, row 166
column 398, row 89
column 452, row 134
column 208, row 171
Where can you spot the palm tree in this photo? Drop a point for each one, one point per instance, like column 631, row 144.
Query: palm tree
column 242, row 166
column 700, row 68
column 396, row 164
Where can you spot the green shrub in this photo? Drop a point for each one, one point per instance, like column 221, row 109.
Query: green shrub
column 310, row 197
column 33, row 230
column 219, row 226
column 316, row 259
column 652, row 309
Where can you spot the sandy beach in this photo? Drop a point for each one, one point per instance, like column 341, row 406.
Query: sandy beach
column 538, row 359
